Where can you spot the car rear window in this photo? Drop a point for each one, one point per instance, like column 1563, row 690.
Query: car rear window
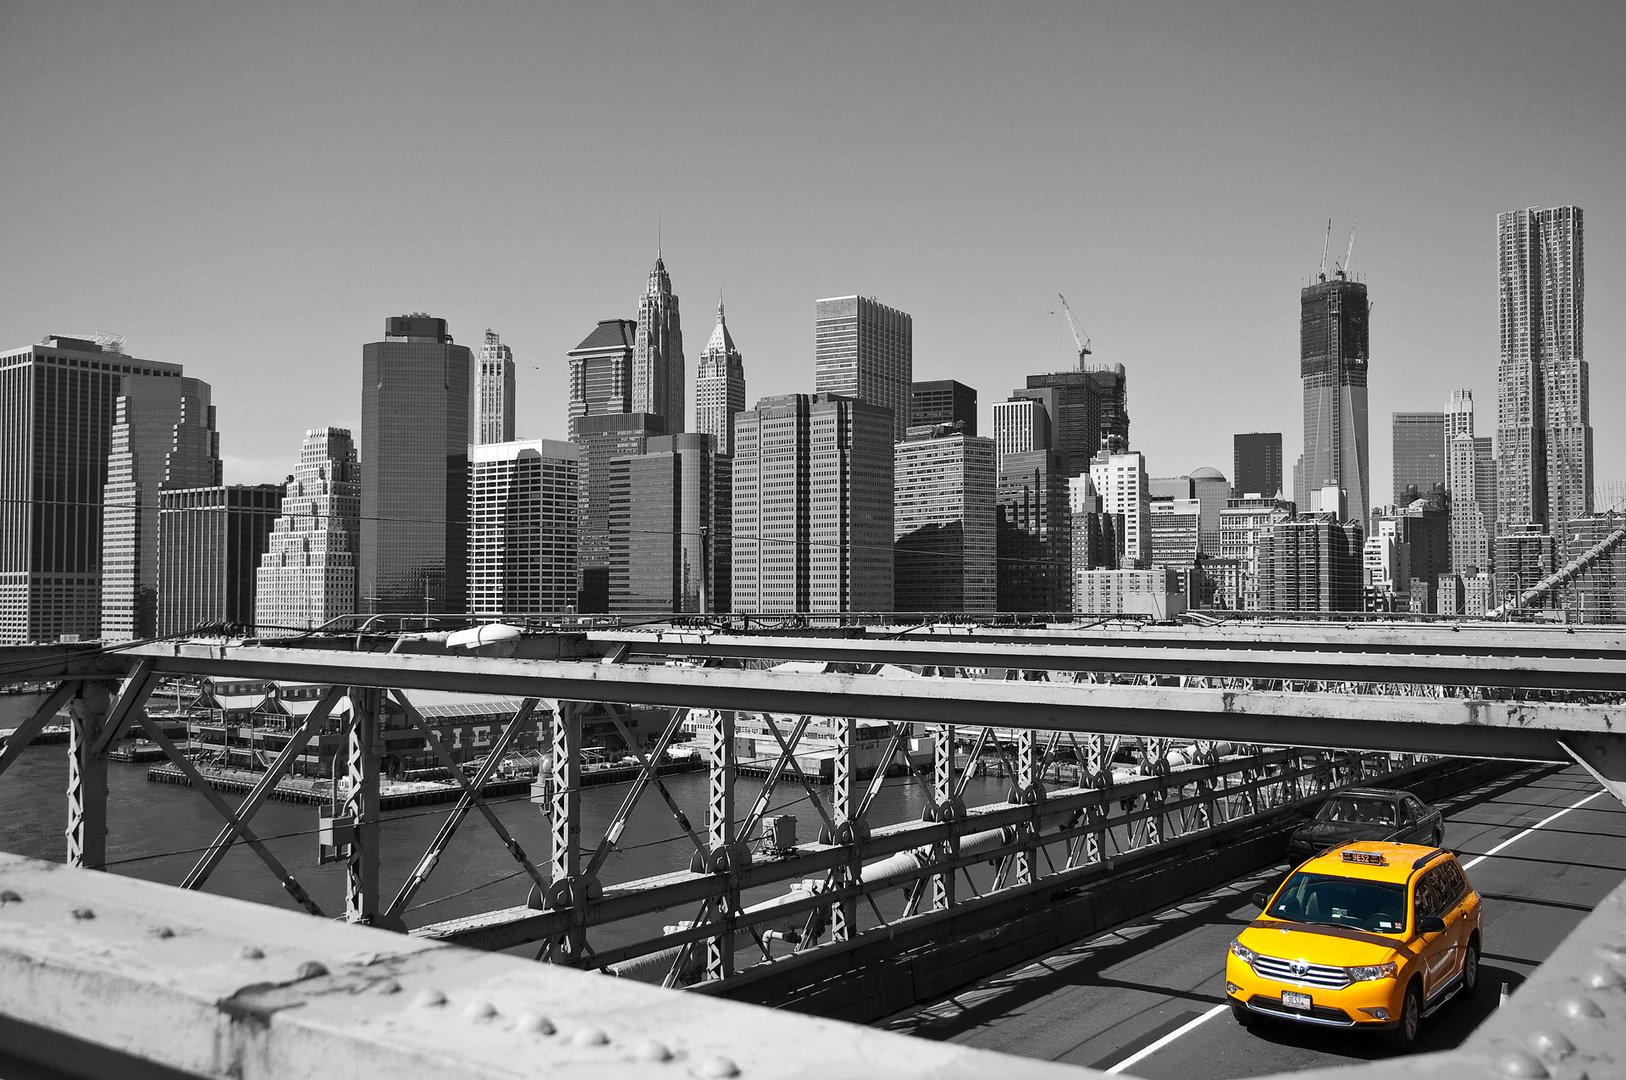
column 1375, row 906
column 1358, row 809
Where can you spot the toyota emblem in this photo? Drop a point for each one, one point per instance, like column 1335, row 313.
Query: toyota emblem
column 1299, row 966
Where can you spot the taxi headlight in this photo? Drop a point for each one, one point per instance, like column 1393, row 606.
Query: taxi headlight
column 1373, row 972
column 1245, row 954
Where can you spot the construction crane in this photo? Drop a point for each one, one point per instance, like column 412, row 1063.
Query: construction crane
column 1326, row 240
column 1079, row 337
column 1343, row 267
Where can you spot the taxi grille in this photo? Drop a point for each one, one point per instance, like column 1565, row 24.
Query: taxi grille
column 1332, row 978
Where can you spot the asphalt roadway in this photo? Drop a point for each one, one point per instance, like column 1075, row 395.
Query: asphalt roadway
column 1542, row 847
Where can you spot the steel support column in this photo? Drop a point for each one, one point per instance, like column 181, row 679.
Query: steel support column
column 943, row 788
column 844, row 912
column 720, row 834
column 1029, row 789
column 565, row 892
column 361, row 805
column 87, row 776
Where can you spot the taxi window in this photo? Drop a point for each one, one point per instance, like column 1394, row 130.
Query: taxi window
column 1433, row 894
column 1377, row 906
column 1455, row 884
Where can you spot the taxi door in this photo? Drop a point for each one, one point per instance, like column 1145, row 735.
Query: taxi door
column 1436, row 951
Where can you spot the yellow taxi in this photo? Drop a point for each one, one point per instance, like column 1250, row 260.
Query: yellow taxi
column 1369, row 935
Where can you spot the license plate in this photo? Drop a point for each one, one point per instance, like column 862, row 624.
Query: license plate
column 1295, row 1000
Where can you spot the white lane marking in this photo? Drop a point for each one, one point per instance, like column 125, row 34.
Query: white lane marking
column 1149, row 1050
column 1475, row 861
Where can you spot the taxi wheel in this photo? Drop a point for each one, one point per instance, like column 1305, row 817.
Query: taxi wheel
column 1241, row 1014
column 1403, row 1035
column 1470, row 968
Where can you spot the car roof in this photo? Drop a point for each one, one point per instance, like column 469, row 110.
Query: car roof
column 1397, row 861
column 1372, row 793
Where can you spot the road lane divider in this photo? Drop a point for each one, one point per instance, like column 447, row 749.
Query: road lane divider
column 1152, row 1048
column 1477, row 859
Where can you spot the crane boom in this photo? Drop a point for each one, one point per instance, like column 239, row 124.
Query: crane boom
column 1324, row 242
column 1079, row 337
column 1343, row 267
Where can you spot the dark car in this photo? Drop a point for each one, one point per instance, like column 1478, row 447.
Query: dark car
column 1367, row 814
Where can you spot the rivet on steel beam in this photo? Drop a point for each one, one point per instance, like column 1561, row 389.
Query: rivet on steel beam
column 429, row 998
column 652, row 1050
column 1580, row 1008
column 1603, row 978
column 532, row 1024
column 310, row 969
column 9, row 897
column 718, row 1067
column 82, row 913
column 388, row 986
column 1520, row 1064
column 590, row 1036
column 1551, row 1044
column 161, row 932
column 251, row 952
column 480, row 1010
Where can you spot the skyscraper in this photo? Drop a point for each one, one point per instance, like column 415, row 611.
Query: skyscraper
column 1120, row 479
column 1544, row 428
column 1333, row 359
column 1033, row 538
column 865, row 350
column 601, row 372
column 163, row 436
column 813, row 505
column 523, row 531
column 1470, row 479
column 210, row 540
column 307, row 575
column 719, row 385
column 494, row 392
column 664, row 520
column 1021, row 424
column 1076, row 414
column 1419, row 454
column 1257, row 464
column 414, row 469
column 944, row 401
column 657, row 353
column 943, row 523
column 1311, row 563
column 58, row 399
column 600, row 440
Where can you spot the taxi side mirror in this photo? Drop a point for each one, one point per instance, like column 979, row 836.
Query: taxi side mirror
column 1430, row 924
column 1261, row 900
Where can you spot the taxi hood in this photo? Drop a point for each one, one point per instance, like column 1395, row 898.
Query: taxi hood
column 1338, row 946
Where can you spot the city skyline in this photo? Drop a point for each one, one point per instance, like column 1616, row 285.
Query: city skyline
column 211, row 220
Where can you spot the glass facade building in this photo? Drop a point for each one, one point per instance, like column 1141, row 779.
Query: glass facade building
column 944, row 548
column 1419, row 454
column 666, row 513
column 414, row 469
column 944, row 401
column 1333, row 361
column 865, row 350
column 1257, row 464
column 1033, row 535
column 210, row 541
column 58, row 402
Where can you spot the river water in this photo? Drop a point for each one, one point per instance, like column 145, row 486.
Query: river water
column 156, row 832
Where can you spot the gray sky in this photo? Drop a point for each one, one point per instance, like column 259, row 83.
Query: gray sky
column 250, row 189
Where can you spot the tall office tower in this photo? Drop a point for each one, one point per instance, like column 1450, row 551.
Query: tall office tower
column 813, row 505
column 307, row 575
column 1544, row 427
column 1422, row 530
column 523, row 530
column 600, row 440
column 1076, row 431
column 943, row 520
column 1021, row 425
column 1242, row 523
column 1311, row 563
column 1120, row 478
column 719, row 386
column 601, row 372
column 1095, row 533
column 153, row 445
column 865, row 350
column 1333, row 358
column 1257, row 464
column 210, row 540
column 1419, row 453
column 414, row 469
column 657, row 352
column 1112, row 400
column 58, row 399
column 1033, row 538
column 494, row 392
column 1470, row 479
column 944, row 401
column 1174, row 529
column 666, row 512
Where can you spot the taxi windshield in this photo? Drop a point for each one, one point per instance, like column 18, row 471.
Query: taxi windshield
column 1375, row 906
column 1363, row 810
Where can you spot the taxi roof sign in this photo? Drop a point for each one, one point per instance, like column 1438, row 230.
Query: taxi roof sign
column 1369, row 858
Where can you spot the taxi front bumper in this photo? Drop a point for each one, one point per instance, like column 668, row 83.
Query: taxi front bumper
column 1372, row 1005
